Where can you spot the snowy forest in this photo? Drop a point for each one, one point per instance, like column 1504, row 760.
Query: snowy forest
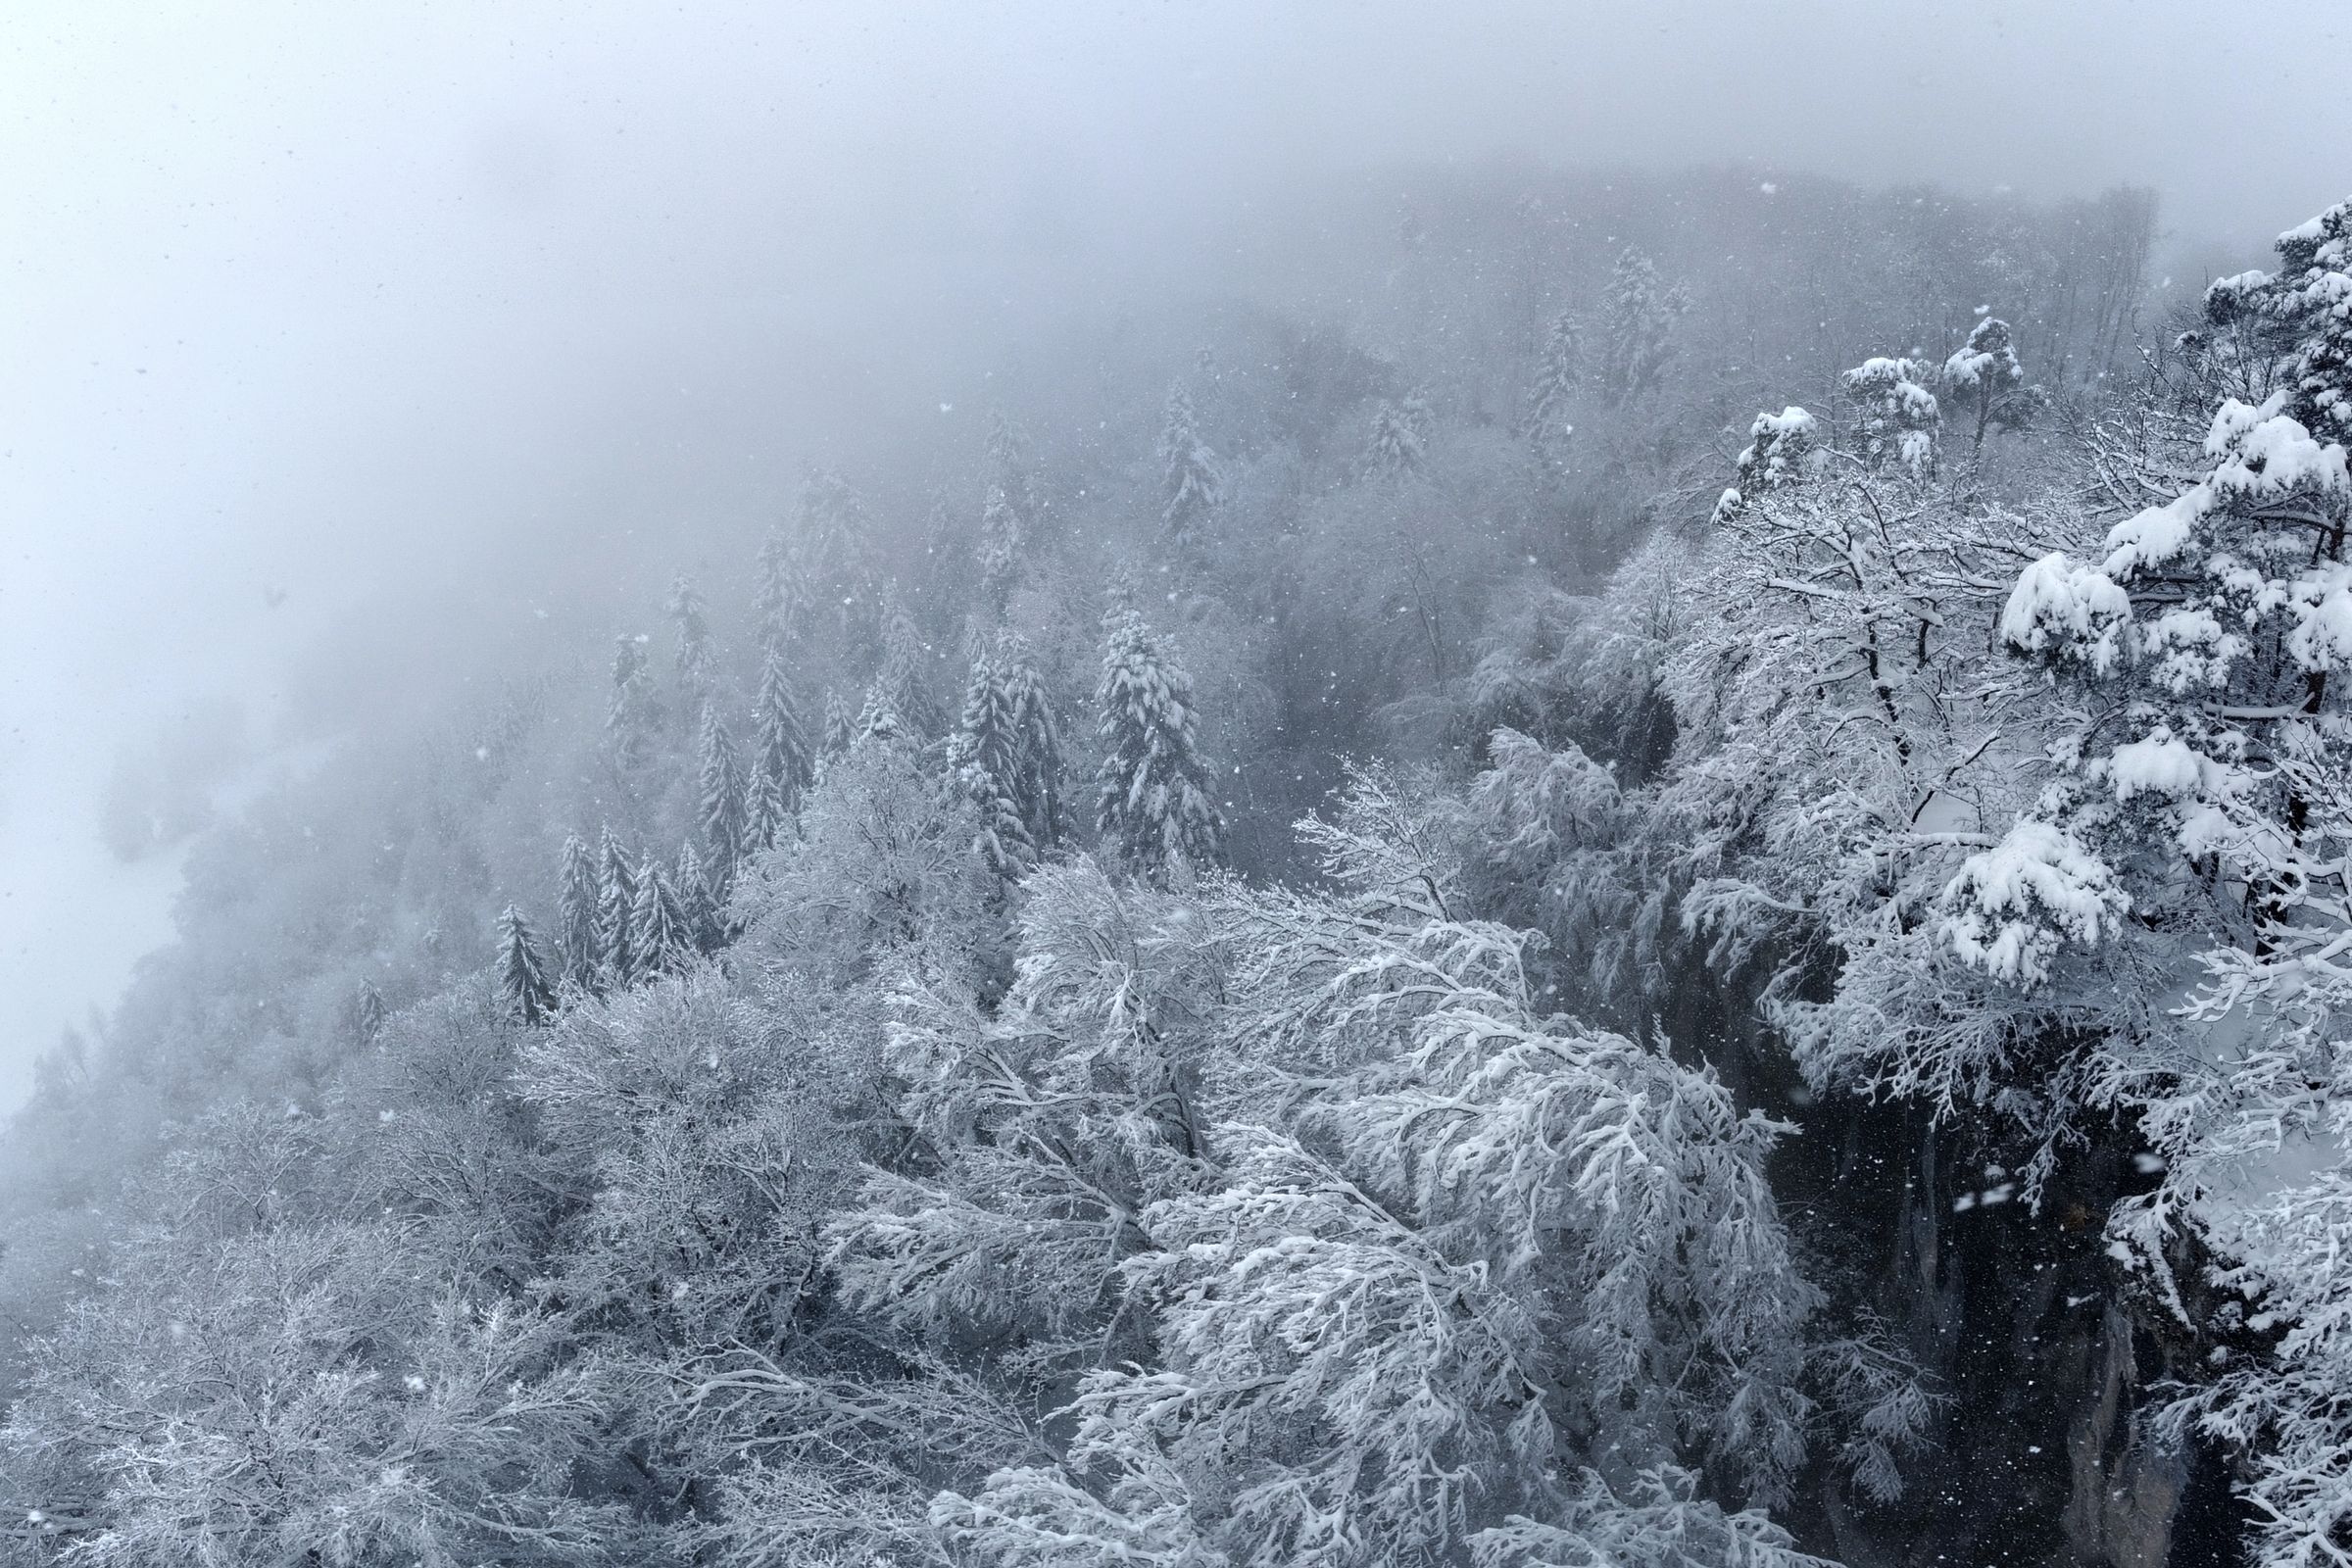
column 1637, row 873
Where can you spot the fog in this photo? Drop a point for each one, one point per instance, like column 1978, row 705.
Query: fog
column 339, row 344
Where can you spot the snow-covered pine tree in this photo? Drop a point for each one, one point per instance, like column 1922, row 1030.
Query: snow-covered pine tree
column 615, row 913
column 841, row 723
column 367, row 1014
column 1000, row 548
column 1899, row 416
column 720, row 806
column 1037, row 764
column 833, row 547
column 1984, row 377
column 696, row 665
column 1152, row 804
column 781, row 767
column 985, row 752
column 1190, row 484
column 635, row 711
column 903, row 684
column 1559, row 374
column 523, row 992
column 780, row 600
column 1636, row 326
column 578, row 951
column 699, row 901
column 661, row 936
column 1399, row 438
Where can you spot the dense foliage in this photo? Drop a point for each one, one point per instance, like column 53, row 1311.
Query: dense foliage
column 1436, row 942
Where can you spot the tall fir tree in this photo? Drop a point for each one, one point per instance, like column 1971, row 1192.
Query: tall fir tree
column 841, row 723
column 985, row 752
column 578, row 951
column 1152, row 804
column 1636, row 328
column 1190, row 485
column 700, row 900
column 690, row 617
column 1038, row 760
column 523, row 992
column 1000, row 549
column 615, row 913
column 1559, row 373
column 781, row 767
column 367, row 1014
column 633, row 712
column 661, row 935
column 780, row 602
column 719, row 807
column 902, row 685
column 832, row 548
column 1399, row 443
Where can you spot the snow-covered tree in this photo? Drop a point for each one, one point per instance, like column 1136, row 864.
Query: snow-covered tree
column 1901, row 423
column 1559, row 377
column 1983, row 376
column 615, row 912
column 1638, row 315
column 721, row 800
column 699, row 903
column 1191, row 485
column 691, row 618
column 662, row 935
column 780, row 600
column 525, row 990
column 1154, row 803
column 986, row 753
column 633, row 711
column 999, row 547
column 1398, row 442
column 901, row 686
column 578, row 951
column 781, row 766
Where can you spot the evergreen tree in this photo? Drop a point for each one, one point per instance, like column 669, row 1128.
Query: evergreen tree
column 780, row 600
column 720, row 809
column 877, row 719
column 781, row 766
column 1399, row 440
column 630, row 719
column 660, row 934
column 841, row 723
column 615, row 913
column 1190, row 487
column 833, row 547
column 691, row 618
column 523, row 986
column 1898, row 416
column 580, row 951
column 1559, row 372
column 1000, row 548
column 1037, row 760
column 700, row 900
column 367, row 1014
column 985, row 752
column 1984, row 378
column 1153, row 805
column 1637, row 324
column 903, row 684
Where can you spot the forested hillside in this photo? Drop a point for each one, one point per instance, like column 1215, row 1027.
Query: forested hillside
column 1630, row 872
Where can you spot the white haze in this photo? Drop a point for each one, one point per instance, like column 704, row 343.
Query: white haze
column 423, row 318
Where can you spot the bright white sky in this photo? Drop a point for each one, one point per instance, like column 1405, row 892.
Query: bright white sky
column 355, row 299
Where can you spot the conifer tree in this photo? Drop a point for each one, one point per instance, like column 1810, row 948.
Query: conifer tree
column 1038, row 763
column 1000, row 548
column 367, row 1014
column 1558, row 373
column 1898, row 416
column 1399, row 438
column 877, row 719
column 832, row 545
column 719, row 810
column 841, row 724
column 579, row 953
column 1190, row 487
column 903, row 684
column 780, row 602
column 1984, row 378
column 699, row 901
column 629, row 720
column 691, row 618
column 522, row 985
column 615, row 913
column 781, row 767
column 661, row 935
column 985, row 752
column 1638, row 322
column 1153, row 805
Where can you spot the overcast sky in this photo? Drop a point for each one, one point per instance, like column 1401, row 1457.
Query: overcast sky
column 362, row 303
